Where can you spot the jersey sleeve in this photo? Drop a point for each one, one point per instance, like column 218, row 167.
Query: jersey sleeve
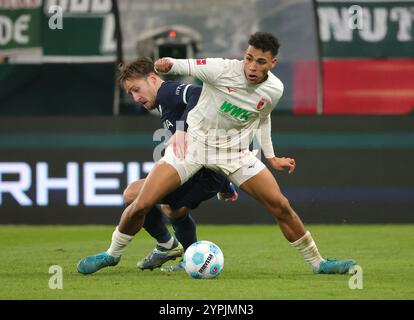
column 190, row 96
column 207, row 70
column 265, row 124
column 265, row 137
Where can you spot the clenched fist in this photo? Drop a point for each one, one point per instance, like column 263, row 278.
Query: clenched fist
column 163, row 65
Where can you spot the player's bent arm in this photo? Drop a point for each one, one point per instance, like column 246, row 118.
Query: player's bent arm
column 265, row 137
column 267, row 147
column 207, row 70
column 163, row 65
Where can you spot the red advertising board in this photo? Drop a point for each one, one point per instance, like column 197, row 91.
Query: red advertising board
column 368, row 86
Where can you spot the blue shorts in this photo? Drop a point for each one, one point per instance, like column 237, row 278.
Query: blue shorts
column 204, row 185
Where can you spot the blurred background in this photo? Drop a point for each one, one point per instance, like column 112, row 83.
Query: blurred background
column 71, row 140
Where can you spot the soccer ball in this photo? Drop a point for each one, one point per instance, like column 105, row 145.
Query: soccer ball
column 203, row 260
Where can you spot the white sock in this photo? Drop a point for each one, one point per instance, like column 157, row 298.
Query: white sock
column 307, row 247
column 168, row 244
column 118, row 244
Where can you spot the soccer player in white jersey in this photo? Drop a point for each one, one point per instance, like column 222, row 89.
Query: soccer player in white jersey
column 235, row 103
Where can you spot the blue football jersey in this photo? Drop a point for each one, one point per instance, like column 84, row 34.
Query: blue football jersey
column 174, row 101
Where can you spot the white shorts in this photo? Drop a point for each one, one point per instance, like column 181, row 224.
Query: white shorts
column 246, row 166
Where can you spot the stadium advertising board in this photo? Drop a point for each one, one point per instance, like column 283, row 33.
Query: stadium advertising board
column 74, row 170
column 68, row 186
column 367, row 54
column 371, row 29
column 84, row 184
column 49, row 30
column 20, row 28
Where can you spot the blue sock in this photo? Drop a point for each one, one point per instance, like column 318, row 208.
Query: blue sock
column 185, row 230
column 155, row 226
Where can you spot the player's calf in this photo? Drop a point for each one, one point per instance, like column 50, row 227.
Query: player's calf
column 279, row 206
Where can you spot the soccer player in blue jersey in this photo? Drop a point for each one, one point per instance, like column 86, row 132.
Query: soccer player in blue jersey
column 173, row 100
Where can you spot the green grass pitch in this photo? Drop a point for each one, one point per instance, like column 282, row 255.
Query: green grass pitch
column 259, row 264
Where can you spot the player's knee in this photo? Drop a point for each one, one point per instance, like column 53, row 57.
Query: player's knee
column 179, row 214
column 166, row 209
column 128, row 196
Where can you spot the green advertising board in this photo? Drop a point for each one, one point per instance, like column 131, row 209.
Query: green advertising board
column 37, row 31
column 366, row 29
column 20, row 28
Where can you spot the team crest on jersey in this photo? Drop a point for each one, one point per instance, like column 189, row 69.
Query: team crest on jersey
column 201, row 62
column 261, row 103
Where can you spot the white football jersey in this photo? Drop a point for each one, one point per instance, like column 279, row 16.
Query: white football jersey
column 230, row 109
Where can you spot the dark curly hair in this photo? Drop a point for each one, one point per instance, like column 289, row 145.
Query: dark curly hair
column 139, row 68
column 265, row 41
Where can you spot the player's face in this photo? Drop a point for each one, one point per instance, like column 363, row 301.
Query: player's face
column 256, row 64
column 143, row 90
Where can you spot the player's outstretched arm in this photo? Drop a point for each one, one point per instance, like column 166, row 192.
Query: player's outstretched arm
column 206, row 70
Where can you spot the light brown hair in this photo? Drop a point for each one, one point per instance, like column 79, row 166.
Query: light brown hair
column 137, row 69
